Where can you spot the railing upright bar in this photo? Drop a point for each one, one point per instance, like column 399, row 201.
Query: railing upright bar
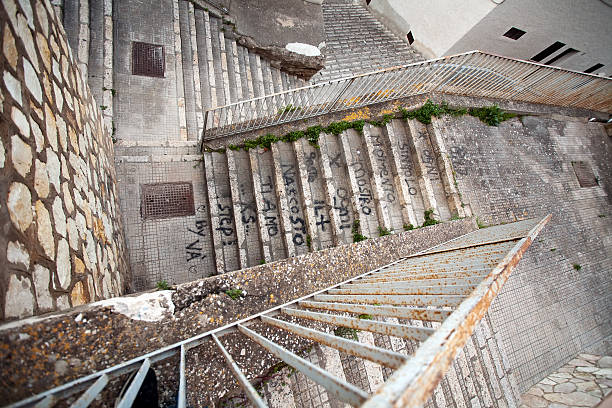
column 418, row 313
column 390, row 329
column 92, row 392
column 182, row 391
column 451, row 69
column 341, row 389
column 326, row 96
column 244, row 383
column 380, row 94
column 378, row 355
column 132, row 391
column 340, row 95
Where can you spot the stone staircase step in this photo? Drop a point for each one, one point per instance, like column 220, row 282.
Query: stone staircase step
column 221, row 212
column 383, row 188
column 248, row 89
column 313, row 192
column 291, row 204
column 245, row 209
column 224, row 65
column 427, row 170
column 217, row 61
column 95, row 69
column 359, row 173
column 338, row 188
column 205, row 58
column 268, row 217
column 188, row 71
column 231, row 71
column 237, row 70
column 446, row 169
column 267, row 77
column 403, row 168
column 256, row 74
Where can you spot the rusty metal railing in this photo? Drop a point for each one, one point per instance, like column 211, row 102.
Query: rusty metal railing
column 474, row 73
column 452, row 285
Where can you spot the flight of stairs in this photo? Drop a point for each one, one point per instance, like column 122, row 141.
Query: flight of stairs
column 270, row 204
column 478, row 377
column 215, row 69
column 356, row 42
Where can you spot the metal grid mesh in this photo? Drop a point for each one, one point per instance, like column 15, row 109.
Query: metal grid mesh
column 148, row 59
column 584, row 173
column 166, row 200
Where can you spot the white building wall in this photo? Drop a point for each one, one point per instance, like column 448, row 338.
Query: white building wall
column 435, row 25
column 585, row 25
column 447, row 27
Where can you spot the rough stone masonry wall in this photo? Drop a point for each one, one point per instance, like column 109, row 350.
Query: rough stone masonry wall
column 62, row 239
column 558, row 302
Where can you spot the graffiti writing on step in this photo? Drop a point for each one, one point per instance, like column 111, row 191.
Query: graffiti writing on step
column 430, row 164
column 384, row 171
column 341, row 204
column 459, row 158
column 248, row 210
column 268, row 206
column 364, row 195
column 226, row 225
column 320, row 214
column 195, row 249
column 311, row 169
column 297, row 221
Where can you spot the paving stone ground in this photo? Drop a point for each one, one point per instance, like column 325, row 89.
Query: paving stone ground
column 583, row 382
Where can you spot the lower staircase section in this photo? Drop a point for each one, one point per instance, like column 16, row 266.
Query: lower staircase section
column 479, row 376
column 267, row 204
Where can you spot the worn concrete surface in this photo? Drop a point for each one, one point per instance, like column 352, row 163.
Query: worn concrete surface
column 31, row 352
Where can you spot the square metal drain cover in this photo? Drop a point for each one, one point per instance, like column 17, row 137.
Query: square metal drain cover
column 148, row 59
column 166, row 200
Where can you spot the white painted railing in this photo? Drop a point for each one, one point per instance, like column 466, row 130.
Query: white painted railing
column 474, row 73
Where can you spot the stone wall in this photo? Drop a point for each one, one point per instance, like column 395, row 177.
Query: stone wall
column 62, row 239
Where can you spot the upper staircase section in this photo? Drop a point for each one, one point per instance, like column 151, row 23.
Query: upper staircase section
column 474, row 73
column 205, row 67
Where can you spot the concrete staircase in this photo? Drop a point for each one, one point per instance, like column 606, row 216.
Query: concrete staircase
column 356, row 42
column 479, row 376
column 214, row 69
column 270, row 204
column 217, row 70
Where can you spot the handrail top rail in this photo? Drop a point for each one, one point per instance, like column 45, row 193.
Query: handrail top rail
column 400, row 67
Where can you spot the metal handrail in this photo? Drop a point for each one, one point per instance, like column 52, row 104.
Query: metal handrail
column 459, row 305
column 473, row 73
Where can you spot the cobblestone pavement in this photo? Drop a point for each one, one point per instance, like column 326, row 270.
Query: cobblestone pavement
column 583, row 382
column 356, row 42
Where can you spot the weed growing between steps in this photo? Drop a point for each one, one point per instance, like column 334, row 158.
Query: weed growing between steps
column 383, row 231
column 357, row 237
column 491, row 115
column 347, row 333
column 235, row 294
column 162, row 285
column 428, row 219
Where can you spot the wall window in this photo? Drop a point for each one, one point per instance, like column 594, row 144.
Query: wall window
column 584, row 174
column 548, row 51
column 562, row 56
column 410, row 37
column 514, row 33
column 594, row 68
